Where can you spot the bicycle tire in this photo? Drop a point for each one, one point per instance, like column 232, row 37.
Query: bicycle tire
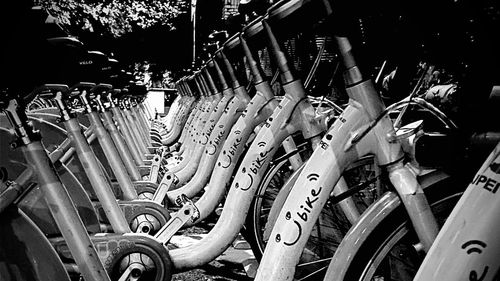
column 388, row 252
column 272, row 182
column 328, row 231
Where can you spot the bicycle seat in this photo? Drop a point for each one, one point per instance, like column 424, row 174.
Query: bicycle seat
column 232, row 42
column 59, row 60
column 98, row 67
column 253, row 8
column 295, row 15
column 254, row 27
column 112, row 70
column 283, row 8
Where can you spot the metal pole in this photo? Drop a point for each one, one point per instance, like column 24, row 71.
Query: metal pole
column 141, row 128
column 96, row 177
column 113, row 157
column 193, row 19
column 57, row 198
column 64, row 212
column 121, row 146
column 146, row 128
column 133, row 131
column 127, row 136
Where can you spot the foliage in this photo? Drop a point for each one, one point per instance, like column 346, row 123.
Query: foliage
column 114, row 18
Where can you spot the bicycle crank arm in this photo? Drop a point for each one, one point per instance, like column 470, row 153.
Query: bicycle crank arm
column 155, row 168
column 188, row 212
column 167, row 182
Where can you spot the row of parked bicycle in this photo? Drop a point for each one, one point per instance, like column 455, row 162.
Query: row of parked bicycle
column 320, row 188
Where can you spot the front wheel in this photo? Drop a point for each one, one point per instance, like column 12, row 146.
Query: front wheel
column 391, row 251
column 331, row 225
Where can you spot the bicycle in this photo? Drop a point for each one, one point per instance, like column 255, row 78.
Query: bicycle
column 290, row 232
column 59, row 203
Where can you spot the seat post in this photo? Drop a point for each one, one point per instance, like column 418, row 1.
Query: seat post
column 92, row 169
column 110, row 151
column 132, row 125
column 119, row 142
column 238, row 89
column 122, row 125
column 274, row 46
column 56, row 196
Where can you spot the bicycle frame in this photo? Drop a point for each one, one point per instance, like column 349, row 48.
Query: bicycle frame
column 293, row 114
column 206, row 138
column 32, row 203
column 93, row 171
column 119, row 142
column 204, row 126
column 57, row 198
column 467, row 245
column 258, row 110
column 178, row 120
column 133, row 128
column 231, row 113
column 362, row 129
column 110, row 151
column 136, row 154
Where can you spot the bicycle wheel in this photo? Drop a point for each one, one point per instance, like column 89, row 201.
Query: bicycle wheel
column 391, row 251
column 277, row 174
column 331, row 225
column 273, row 181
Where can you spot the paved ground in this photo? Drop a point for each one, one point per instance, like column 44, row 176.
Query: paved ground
column 237, row 263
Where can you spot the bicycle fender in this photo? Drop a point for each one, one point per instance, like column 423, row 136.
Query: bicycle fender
column 371, row 218
column 358, row 234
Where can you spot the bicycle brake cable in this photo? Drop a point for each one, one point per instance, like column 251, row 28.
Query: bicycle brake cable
column 351, row 191
column 275, row 77
column 356, row 139
column 315, row 65
column 413, row 92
